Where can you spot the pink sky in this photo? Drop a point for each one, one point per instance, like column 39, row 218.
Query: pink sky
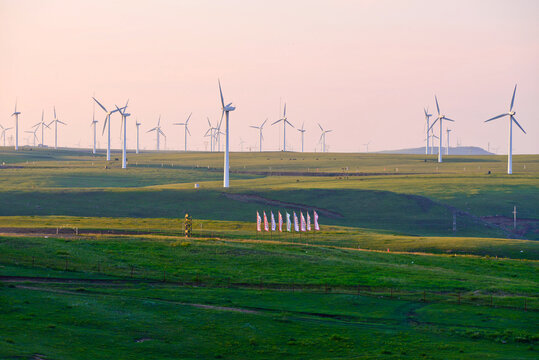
column 365, row 69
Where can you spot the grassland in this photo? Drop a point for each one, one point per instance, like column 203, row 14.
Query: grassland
column 387, row 277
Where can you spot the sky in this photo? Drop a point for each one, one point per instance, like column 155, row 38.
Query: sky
column 364, row 69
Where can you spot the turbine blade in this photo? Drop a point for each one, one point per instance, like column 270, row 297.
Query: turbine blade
column 186, row 121
column 261, row 126
column 209, row 123
column 513, row 98
column 254, row 127
column 329, row 131
column 437, row 106
column 98, row 103
column 446, row 118
column 61, row 122
column 320, row 127
column 277, row 122
column 433, row 123
column 284, row 113
column 516, row 122
column 186, row 128
column 54, row 112
column 105, row 124
column 289, row 123
column 221, row 93
column 220, row 122
column 496, row 117
column 152, row 129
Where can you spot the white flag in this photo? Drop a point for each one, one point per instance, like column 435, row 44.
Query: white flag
column 288, row 222
column 302, row 221
column 296, row 225
column 308, row 222
column 280, row 222
column 272, row 222
column 258, row 222
column 266, row 227
column 316, row 227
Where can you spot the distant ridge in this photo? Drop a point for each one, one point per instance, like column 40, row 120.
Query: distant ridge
column 460, row 150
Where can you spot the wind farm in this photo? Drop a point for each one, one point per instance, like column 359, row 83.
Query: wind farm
column 269, row 180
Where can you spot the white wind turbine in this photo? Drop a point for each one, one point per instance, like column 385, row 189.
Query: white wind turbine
column 94, row 124
column 158, row 131
column 427, row 117
column 4, row 133
column 285, row 121
column 511, row 115
column 124, row 128
column 138, row 125
column 226, row 110
column 440, row 118
column 260, row 136
column 209, row 133
column 186, row 130
column 16, row 114
column 34, row 134
column 56, row 121
column 323, row 137
column 302, row 131
column 107, row 121
column 367, row 146
column 43, row 125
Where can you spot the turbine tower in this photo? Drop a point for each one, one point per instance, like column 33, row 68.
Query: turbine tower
column 124, row 128
column 285, row 121
column 367, row 146
column 186, row 130
column 427, row 117
column 138, row 125
column 43, row 125
column 107, row 121
column 440, row 118
column 261, row 137
column 447, row 147
column 94, row 124
column 158, row 131
column 226, row 110
column 16, row 114
column 4, row 133
column 323, row 137
column 56, row 121
column 511, row 115
column 302, row 131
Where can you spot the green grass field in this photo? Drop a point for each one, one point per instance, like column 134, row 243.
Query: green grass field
column 386, row 277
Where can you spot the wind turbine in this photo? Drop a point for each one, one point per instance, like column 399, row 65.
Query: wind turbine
column 16, row 114
column 302, row 131
column 285, row 121
column 124, row 127
column 186, row 130
column 158, row 131
column 261, row 137
column 323, row 137
column 56, row 121
column 367, row 146
column 43, row 125
column 447, row 148
column 94, row 123
column 440, row 118
column 210, row 131
column 241, row 144
column 107, row 121
column 511, row 115
column 427, row 117
column 226, row 110
column 34, row 133
column 4, row 133
column 138, row 125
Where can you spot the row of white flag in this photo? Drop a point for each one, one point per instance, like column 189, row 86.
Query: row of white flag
column 304, row 224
